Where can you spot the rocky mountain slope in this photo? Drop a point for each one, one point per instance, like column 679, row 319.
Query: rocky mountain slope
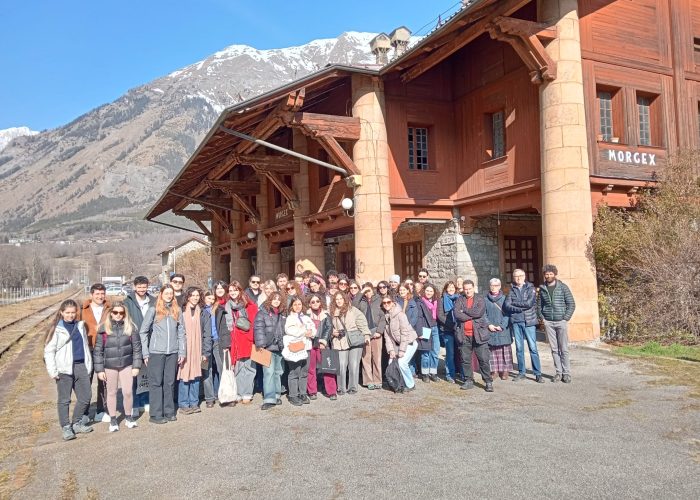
column 9, row 134
column 111, row 163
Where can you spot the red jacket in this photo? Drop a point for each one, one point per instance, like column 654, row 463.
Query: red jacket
column 242, row 342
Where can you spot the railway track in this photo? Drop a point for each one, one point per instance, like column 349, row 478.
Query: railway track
column 13, row 332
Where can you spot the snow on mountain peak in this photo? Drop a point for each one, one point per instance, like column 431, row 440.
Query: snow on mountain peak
column 8, row 134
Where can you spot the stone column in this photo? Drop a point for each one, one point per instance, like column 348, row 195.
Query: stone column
column 240, row 267
column 268, row 265
column 567, row 218
column 218, row 269
column 308, row 254
column 374, row 249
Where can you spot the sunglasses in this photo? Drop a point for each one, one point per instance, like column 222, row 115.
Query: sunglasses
column 381, row 286
column 315, row 302
column 290, row 288
column 120, row 313
column 342, row 283
column 354, row 287
column 385, row 302
column 177, row 282
column 255, row 282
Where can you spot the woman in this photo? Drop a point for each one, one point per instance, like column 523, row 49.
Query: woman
column 346, row 318
column 268, row 333
column 212, row 373
column 370, row 305
column 197, row 323
column 500, row 340
column 427, row 329
column 316, row 286
column 406, row 303
column 292, row 290
column 400, row 339
column 241, row 312
column 118, row 360
column 68, row 361
column 164, row 349
column 383, row 289
column 343, row 284
column 354, row 292
column 299, row 329
column 267, row 289
column 220, row 291
column 447, row 325
column 322, row 322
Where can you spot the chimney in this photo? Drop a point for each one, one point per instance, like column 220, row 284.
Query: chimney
column 400, row 38
column 380, row 46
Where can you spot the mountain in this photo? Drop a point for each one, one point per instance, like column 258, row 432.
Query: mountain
column 108, row 165
column 8, row 134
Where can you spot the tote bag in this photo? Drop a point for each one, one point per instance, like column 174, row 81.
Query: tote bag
column 330, row 362
column 228, row 391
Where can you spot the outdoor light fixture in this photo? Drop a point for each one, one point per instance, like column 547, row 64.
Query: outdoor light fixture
column 348, row 204
column 251, row 235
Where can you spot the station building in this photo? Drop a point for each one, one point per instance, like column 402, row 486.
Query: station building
column 486, row 146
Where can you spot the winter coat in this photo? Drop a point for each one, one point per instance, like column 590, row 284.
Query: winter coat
column 58, row 353
column 164, row 336
column 325, row 330
column 222, row 329
column 353, row 320
column 411, row 310
column 521, row 304
column 374, row 305
column 398, row 332
column 425, row 316
column 90, row 322
column 268, row 330
column 295, row 329
column 132, row 305
column 497, row 317
column 205, row 327
column 117, row 350
column 446, row 321
column 242, row 341
column 476, row 314
column 559, row 306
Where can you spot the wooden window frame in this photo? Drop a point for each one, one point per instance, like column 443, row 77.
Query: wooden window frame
column 490, row 138
column 429, row 144
column 618, row 114
column 655, row 119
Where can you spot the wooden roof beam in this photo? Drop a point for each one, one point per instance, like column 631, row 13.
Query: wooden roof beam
column 338, row 154
column 246, row 207
column 250, row 188
column 221, row 219
column 286, row 191
column 193, row 214
column 340, row 127
column 265, row 163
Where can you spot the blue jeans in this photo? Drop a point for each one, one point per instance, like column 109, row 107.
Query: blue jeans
column 452, row 367
column 272, row 379
column 188, row 393
column 429, row 359
column 404, row 364
column 528, row 332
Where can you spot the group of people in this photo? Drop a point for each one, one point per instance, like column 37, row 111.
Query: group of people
column 309, row 335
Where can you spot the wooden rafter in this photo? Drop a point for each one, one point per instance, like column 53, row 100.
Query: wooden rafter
column 286, row 191
column 249, row 188
column 246, row 207
column 280, row 164
column 194, row 214
column 338, row 154
column 340, row 127
column 524, row 37
column 204, row 228
column 480, row 20
column 221, row 219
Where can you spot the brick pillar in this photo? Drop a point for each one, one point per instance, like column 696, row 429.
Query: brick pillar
column 374, row 248
column 218, row 269
column 240, row 267
column 567, row 218
column 308, row 254
column 268, row 265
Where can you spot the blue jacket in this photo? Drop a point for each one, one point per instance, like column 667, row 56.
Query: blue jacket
column 496, row 316
column 521, row 304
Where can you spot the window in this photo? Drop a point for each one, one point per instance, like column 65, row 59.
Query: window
column 498, row 131
column 521, row 252
column 418, row 148
column 648, row 116
column 606, row 115
column 411, row 259
column 643, row 107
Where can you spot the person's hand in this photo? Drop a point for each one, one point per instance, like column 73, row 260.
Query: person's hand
column 259, row 349
column 336, row 333
column 102, row 376
column 492, row 328
column 366, row 340
column 309, row 334
column 499, row 329
column 392, row 355
column 204, row 358
column 376, row 335
column 135, row 372
column 56, row 377
column 181, row 360
column 401, row 354
column 321, row 346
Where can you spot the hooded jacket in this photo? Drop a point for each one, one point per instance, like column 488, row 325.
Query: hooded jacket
column 166, row 335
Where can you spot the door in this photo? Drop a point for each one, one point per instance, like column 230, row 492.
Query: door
column 521, row 252
column 411, row 259
column 347, row 263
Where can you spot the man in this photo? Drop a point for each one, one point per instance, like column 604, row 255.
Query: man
column 332, row 279
column 521, row 304
column 177, row 281
column 253, row 291
column 93, row 313
column 555, row 306
column 394, row 282
column 470, row 311
column 137, row 303
column 281, row 281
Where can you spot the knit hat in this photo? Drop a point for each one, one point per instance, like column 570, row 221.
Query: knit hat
column 395, row 278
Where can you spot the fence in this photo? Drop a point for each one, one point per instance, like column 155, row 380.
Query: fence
column 14, row 295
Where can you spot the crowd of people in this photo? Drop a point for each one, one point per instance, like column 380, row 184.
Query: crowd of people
column 309, row 336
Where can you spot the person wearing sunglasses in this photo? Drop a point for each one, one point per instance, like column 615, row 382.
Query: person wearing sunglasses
column 423, row 276
column 177, row 281
column 399, row 339
column 370, row 305
column 254, row 288
column 292, row 290
column 319, row 316
column 117, row 361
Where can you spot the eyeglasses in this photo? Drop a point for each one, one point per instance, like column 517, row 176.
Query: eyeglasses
column 314, row 301
column 343, row 283
column 381, row 286
column 177, row 282
column 354, row 287
column 120, row 313
column 255, row 282
column 290, row 288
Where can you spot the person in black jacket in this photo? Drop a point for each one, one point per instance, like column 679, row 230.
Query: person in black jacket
column 137, row 305
column 118, row 360
column 470, row 311
column 268, row 333
column 427, row 330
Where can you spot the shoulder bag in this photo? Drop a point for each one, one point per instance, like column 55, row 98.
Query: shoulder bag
column 355, row 337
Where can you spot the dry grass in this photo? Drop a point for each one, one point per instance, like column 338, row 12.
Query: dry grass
column 13, row 312
column 69, row 487
column 609, row 405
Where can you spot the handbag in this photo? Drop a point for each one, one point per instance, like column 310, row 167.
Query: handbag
column 228, row 390
column 424, row 344
column 262, row 357
column 330, row 362
column 243, row 323
column 355, row 337
column 297, row 346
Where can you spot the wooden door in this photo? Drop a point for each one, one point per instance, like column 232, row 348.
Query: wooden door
column 521, row 252
column 347, row 263
column 411, row 259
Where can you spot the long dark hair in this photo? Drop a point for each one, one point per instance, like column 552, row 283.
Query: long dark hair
column 58, row 317
column 283, row 303
column 242, row 296
column 189, row 292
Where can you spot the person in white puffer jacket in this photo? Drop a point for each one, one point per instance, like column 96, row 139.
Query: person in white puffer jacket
column 299, row 329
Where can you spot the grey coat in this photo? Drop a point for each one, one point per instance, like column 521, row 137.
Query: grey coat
column 166, row 336
column 496, row 316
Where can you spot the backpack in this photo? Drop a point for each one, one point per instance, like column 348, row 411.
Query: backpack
column 393, row 376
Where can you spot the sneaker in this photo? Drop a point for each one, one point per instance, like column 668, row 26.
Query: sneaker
column 566, row 379
column 157, row 420
column 433, row 377
column 449, row 380
column 294, row 401
column 246, row 401
column 305, row 399
column 489, row 387
column 113, row 425
column 68, row 433
column 425, row 378
column 131, row 423
column 313, row 397
column 333, row 397
column 352, row 391
column 195, row 409
column 468, row 384
column 539, row 379
column 170, row 418
column 184, row 410
column 79, row 428
column 267, row 406
column 409, row 389
column 557, row 378
column 340, row 393
column 279, row 401
column 210, row 404
column 519, row 377
column 370, row 387
column 85, row 419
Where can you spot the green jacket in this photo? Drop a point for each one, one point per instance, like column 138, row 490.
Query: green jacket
column 558, row 306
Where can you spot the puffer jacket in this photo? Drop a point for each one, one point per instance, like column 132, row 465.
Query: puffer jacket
column 559, row 306
column 117, row 350
column 398, row 332
column 295, row 329
column 496, row 316
column 58, row 353
column 521, row 304
column 164, row 336
column 411, row 309
column 268, row 330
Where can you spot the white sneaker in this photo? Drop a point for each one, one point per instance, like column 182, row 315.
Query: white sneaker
column 130, row 424
column 103, row 417
column 146, row 408
column 113, row 427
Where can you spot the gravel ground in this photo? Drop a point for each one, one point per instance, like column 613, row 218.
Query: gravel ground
column 616, row 431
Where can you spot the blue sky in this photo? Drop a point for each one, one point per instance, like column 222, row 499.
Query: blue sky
column 59, row 59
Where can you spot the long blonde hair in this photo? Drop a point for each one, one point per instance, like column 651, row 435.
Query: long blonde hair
column 162, row 309
column 128, row 325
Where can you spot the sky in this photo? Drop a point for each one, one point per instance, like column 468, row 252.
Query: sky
column 60, row 59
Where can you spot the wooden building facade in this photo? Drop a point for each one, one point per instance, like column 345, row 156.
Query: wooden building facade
column 485, row 147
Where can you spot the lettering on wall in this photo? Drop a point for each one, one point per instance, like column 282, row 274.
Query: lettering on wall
column 631, row 157
column 281, row 214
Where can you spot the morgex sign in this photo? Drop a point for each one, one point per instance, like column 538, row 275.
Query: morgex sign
column 633, row 157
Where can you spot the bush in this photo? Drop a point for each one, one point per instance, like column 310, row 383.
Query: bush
column 648, row 259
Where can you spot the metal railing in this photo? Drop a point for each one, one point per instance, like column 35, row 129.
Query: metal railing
column 14, row 295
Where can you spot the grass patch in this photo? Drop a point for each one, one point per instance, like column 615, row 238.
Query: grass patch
column 655, row 349
column 609, row 405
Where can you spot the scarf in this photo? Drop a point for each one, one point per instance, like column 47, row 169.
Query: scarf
column 222, row 301
column 192, row 367
column 448, row 301
column 432, row 306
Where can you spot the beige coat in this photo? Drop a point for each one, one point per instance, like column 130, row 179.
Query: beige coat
column 353, row 320
column 399, row 332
